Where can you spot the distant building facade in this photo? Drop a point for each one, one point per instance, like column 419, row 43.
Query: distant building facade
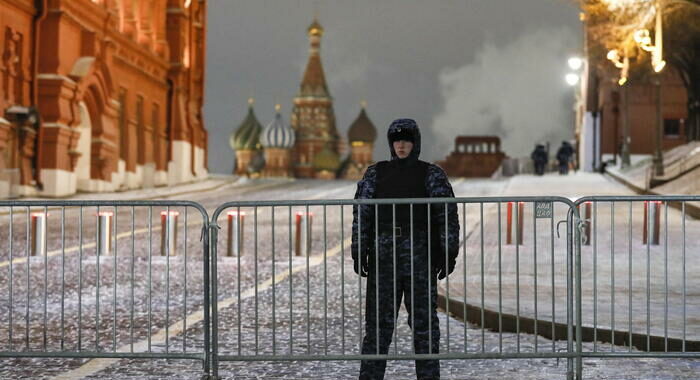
column 474, row 156
column 310, row 147
column 604, row 106
column 117, row 87
column 601, row 127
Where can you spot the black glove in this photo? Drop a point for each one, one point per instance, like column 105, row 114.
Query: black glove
column 444, row 272
column 361, row 266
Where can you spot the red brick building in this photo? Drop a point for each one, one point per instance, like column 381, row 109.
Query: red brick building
column 474, row 156
column 118, row 88
column 619, row 93
column 609, row 104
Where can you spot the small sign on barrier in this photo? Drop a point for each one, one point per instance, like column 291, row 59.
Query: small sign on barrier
column 543, row 209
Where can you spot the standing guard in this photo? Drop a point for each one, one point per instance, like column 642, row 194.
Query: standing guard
column 414, row 229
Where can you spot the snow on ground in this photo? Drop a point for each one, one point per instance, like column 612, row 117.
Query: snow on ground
column 323, row 314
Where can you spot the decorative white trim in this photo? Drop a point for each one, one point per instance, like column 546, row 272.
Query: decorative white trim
column 148, row 173
column 24, row 191
column 96, row 186
column 132, row 179
column 55, row 76
column 180, row 168
column 82, row 66
column 160, row 178
column 118, row 177
column 55, row 125
column 57, row 183
column 199, row 169
column 9, row 180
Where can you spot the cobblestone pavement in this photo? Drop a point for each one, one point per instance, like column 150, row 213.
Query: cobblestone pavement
column 325, row 315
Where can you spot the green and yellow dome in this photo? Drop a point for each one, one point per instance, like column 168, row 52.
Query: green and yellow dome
column 247, row 135
column 326, row 159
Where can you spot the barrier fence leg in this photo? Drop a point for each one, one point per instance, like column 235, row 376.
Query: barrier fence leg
column 509, row 223
column 521, row 218
column 214, row 296
column 579, row 312
column 569, row 294
column 586, row 240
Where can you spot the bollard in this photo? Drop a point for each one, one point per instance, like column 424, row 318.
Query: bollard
column 104, row 233
column 586, row 238
column 302, row 246
column 236, row 223
column 39, row 233
column 509, row 219
column 652, row 214
column 168, row 233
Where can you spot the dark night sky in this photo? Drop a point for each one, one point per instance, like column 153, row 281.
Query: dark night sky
column 456, row 66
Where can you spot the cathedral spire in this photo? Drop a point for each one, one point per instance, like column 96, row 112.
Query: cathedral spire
column 314, row 81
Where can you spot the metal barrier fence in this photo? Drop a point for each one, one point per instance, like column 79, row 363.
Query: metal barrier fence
column 291, row 293
column 121, row 279
column 95, row 279
column 635, row 278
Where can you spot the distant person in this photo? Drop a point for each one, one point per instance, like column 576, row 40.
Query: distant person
column 564, row 155
column 539, row 158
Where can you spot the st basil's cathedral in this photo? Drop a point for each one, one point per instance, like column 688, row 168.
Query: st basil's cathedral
column 310, row 146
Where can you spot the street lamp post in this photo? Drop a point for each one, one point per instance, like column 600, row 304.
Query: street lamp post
column 658, row 160
column 572, row 79
column 643, row 38
column 625, row 151
column 624, row 65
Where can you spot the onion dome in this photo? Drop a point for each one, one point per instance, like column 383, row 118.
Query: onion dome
column 362, row 129
column 315, row 29
column 277, row 134
column 326, row 159
column 247, row 135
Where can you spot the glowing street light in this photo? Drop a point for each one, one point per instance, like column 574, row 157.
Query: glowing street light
column 622, row 64
column 572, row 79
column 643, row 38
column 575, row 63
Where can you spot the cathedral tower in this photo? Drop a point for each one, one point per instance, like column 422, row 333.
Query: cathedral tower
column 313, row 119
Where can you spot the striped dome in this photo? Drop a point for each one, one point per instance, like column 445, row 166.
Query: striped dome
column 277, row 134
column 246, row 136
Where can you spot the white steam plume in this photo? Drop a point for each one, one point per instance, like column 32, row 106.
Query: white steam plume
column 516, row 92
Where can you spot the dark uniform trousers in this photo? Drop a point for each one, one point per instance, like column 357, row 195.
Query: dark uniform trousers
column 386, row 289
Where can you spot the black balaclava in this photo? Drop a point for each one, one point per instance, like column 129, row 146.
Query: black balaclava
column 404, row 129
